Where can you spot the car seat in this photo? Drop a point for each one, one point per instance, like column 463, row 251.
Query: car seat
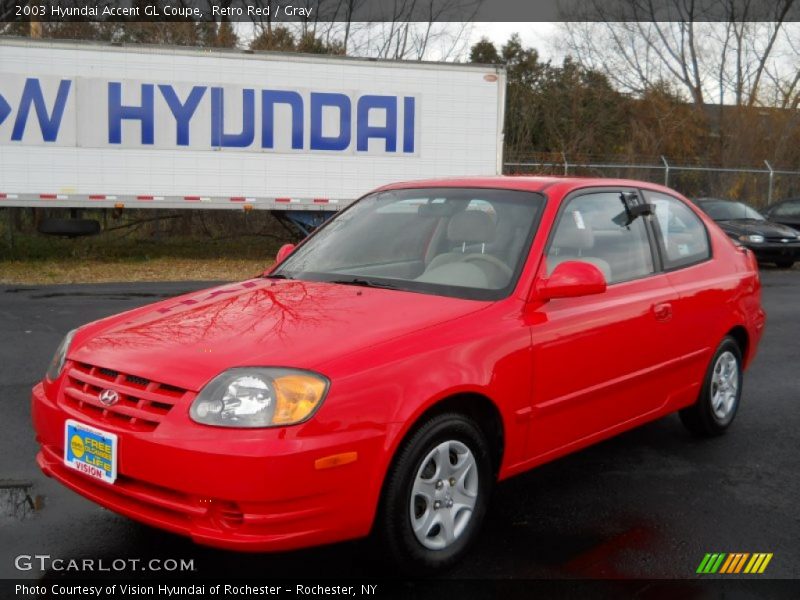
column 574, row 242
column 470, row 230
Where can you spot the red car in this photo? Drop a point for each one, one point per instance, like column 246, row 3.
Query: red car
column 430, row 340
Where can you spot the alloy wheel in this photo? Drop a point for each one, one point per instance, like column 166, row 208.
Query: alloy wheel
column 444, row 494
column 724, row 385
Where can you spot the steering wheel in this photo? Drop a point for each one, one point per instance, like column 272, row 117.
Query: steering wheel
column 492, row 260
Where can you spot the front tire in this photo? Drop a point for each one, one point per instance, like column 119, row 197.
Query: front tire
column 719, row 398
column 436, row 495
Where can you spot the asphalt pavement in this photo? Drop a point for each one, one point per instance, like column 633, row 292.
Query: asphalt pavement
column 647, row 504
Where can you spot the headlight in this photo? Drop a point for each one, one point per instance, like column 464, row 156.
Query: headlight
column 756, row 239
column 60, row 357
column 259, row 397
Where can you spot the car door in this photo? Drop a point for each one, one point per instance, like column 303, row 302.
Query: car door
column 599, row 361
column 700, row 285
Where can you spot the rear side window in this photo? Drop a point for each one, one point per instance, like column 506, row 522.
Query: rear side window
column 683, row 239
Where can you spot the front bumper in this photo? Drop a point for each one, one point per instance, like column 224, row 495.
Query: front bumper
column 257, row 493
column 770, row 251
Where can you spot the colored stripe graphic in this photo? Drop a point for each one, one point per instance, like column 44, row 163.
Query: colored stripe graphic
column 741, row 562
column 703, row 563
column 717, row 564
column 727, row 564
column 759, row 562
column 734, row 562
column 765, row 563
column 749, row 568
column 711, row 563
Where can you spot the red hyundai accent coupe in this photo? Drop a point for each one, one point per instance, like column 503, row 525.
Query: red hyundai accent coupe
column 430, row 340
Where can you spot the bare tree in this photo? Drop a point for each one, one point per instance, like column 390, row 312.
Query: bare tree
column 406, row 40
column 8, row 10
column 717, row 51
column 407, row 29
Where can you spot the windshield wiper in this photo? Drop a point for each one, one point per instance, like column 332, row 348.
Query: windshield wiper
column 365, row 283
column 278, row 276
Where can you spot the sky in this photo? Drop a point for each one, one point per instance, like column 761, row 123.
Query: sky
column 542, row 36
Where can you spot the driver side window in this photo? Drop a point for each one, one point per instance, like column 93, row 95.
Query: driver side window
column 592, row 229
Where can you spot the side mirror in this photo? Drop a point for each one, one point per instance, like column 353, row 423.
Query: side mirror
column 284, row 251
column 571, row 279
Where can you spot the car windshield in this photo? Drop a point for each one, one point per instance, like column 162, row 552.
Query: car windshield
column 787, row 208
column 461, row 242
column 727, row 210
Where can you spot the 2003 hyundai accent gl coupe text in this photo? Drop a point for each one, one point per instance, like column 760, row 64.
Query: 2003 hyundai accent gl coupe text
column 432, row 339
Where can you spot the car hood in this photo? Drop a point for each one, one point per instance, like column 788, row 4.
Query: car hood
column 756, row 227
column 788, row 220
column 188, row 340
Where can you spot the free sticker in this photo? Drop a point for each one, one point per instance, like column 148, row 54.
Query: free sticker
column 91, row 451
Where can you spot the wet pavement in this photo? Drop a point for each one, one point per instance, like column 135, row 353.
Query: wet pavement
column 647, row 504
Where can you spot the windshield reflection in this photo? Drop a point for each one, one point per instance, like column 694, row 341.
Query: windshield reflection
column 728, row 210
column 462, row 242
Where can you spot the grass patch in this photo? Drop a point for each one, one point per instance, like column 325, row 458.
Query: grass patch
column 156, row 269
column 35, row 247
column 36, row 259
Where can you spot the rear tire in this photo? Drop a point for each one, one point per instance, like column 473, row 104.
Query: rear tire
column 785, row 263
column 436, row 495
column 719, row 398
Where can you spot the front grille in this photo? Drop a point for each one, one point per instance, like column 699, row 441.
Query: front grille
column 142, row 403
column 780, row 238
column 138, row 381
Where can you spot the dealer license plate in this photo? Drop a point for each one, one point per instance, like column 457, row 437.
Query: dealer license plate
column 90, row 451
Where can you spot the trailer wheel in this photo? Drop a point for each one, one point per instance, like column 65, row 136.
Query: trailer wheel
column 69, row 227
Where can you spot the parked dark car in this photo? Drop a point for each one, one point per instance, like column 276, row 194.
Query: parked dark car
column 786, row 212
column 769, row 241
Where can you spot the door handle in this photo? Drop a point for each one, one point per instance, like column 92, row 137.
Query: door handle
column 662, row 311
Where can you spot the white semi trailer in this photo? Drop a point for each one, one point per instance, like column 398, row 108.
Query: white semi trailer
column 86, row 125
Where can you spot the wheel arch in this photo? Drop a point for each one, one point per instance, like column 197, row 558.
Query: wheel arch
column 477, row 406
column 742, row 338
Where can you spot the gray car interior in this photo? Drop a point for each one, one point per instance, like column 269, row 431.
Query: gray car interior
column 476, row 254
column 572, row 242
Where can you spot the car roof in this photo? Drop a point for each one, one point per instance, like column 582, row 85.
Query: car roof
column 701, row 201
column 526, row 183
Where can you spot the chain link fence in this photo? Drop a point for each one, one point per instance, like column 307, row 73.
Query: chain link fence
column 758, row 185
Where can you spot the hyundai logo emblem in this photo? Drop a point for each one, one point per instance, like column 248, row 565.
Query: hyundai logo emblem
column 109, row 397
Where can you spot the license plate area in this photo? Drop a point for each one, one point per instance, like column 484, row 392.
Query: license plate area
column 90, row 451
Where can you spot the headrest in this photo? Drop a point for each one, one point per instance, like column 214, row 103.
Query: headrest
column 472, row 226
column 573, row 232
